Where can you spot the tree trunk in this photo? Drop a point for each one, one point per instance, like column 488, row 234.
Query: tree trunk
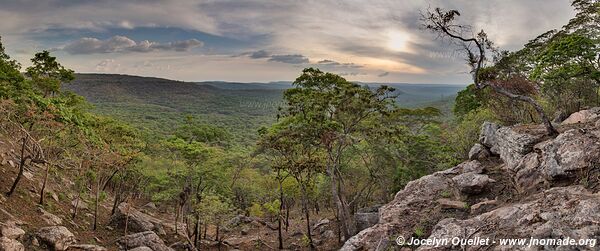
column 280, row 215
column 197, row 229
column 96, row 206
column 21, row 168
column 307, row 215
column 550, row 130
column 287, row 216
column 346, row 219
column 44, row 185
column 177, row 219
column 217, row 233
column 117, row 200
column 76, row 207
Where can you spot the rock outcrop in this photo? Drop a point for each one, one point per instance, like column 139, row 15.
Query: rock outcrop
column 558, row 213
column 7, row 244
column 137, row 221
column 143, row 241
column 56, row 238
column 11, row 231
column 518, row 183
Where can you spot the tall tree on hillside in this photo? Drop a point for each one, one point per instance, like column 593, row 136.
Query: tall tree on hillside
column 47, row 74
column 295, row 155
column 335, row 114
column 479, row 51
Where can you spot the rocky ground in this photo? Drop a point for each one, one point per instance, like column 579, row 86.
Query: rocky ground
column 518, row 183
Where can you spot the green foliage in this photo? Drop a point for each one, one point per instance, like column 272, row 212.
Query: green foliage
column 47, row 74
column 256, row 210
column 467, row 100
column 466, row 131
column 215, row 210
column 419, row 231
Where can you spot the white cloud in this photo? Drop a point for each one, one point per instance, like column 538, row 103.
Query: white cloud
column 377, row 35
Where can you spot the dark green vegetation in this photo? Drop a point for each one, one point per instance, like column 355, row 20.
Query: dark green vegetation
column 158, row 105
column 324, row 145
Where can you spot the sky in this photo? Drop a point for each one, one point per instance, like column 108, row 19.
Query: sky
column 265, row 40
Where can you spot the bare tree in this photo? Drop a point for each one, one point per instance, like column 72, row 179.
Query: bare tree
column 476, row 48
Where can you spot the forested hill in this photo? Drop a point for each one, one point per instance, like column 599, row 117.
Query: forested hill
column 160, row 104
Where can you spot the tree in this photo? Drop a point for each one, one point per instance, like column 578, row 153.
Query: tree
column 295, row 155
column 47, row 74
column 334, row 114
column 478, row 49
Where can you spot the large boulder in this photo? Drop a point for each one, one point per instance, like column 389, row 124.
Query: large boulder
column 571, row 151
column 7, row 244
column 417, row 201
column 49, row 218
column 143, row 240
column 558, row 213
column 513, row 143
column 137, row 221
column 472, row 183
column 583, row 116
column 479, row 152
column 563, row 157
column 10, row 230
column 56, row 237
column 487, row 137
column 86, row 247
column 516, row 205
column 365, row 220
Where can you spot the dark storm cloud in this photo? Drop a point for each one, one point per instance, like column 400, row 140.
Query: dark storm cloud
column 259, row 54
column 328, row 62
column 88, row 45
column 289, row 59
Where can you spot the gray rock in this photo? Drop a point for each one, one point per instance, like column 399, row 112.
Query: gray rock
column 11, row 231
column 237, row 220
column 365, row 220
column 141, row 249
column 557, row 213
column 86, row 247
column 487, row 136
column 452, row 204
column 49, row 218
column 571, row 151
column 583, row 116
column 236, row 242
column 56, row 237
column 329, row 234
column 473, row 166
column 479, row 152
column 483, row 206
column 144, row 239
column 7, row 244
column 398, row 216
column 149, row 206
column 512, row 145
column 138, row 221
column 472, row 183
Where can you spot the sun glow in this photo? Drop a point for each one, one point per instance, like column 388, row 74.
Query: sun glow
column 397, row 41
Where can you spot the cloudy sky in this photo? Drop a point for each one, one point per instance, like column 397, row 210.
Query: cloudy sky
column 264, row 40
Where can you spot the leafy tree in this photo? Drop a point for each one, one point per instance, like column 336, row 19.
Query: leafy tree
column 467, row 100
column 334, row 115
column 296, row 155
column 47, row 74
